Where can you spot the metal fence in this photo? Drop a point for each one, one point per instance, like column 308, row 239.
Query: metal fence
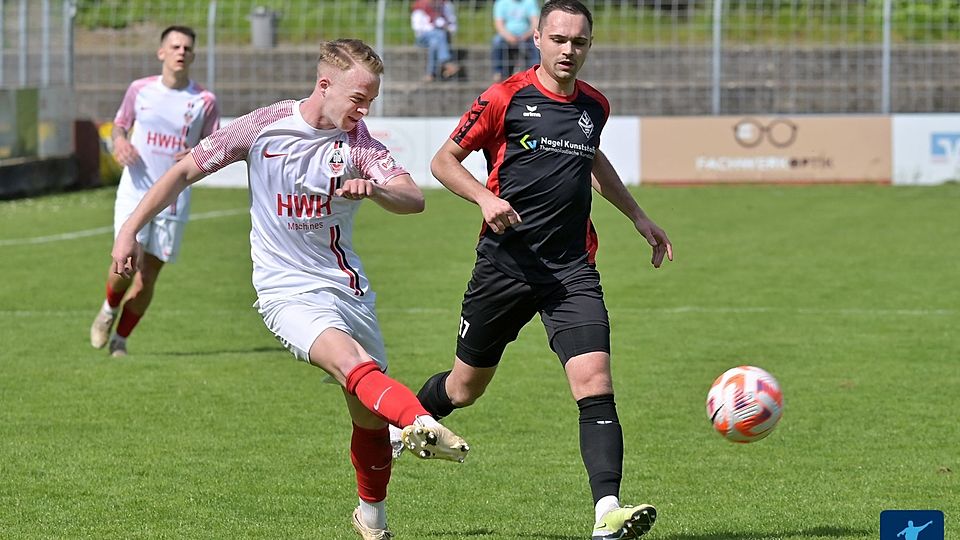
column 650, row 57
column 36, row 43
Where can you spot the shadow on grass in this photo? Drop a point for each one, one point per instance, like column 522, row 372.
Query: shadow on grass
column 816, row 532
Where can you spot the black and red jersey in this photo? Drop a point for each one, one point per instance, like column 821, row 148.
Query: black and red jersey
column 540, row 148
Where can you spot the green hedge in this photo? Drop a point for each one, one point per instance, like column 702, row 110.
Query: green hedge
column 625, row 22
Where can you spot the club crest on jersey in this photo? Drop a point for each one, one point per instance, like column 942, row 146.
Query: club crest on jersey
column 387, row 164
column 336, row 163
column 586, row 124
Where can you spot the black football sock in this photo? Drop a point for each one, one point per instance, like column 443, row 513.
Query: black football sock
column 601, row 444
column 433, row 396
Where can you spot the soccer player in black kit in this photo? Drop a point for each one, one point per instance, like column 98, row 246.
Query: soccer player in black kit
column 540, row 133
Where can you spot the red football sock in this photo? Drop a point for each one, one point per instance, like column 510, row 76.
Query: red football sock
column 385, row 397
column 372, row 458
column 114, row 297
column 128, row 320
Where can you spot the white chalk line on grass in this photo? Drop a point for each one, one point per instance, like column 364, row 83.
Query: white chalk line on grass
column 108, row 230
column 734, row 310
column 680, row 310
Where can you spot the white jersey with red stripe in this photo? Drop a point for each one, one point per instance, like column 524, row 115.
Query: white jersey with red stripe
column 163, row 121
column 301, row 236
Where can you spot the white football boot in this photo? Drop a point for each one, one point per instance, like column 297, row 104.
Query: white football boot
column 435, row 442
column 366, row 532
column 100, row 329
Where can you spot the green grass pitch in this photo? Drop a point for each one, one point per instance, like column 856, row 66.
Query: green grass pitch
column 849, row 295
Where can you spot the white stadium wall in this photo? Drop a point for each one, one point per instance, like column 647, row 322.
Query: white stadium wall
column 916, row 149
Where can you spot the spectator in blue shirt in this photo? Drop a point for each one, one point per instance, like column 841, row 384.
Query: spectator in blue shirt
column 515, row 21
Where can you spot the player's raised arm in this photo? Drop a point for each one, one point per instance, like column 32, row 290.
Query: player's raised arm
column 163, row 193
column 607, row 183
column 447, row 167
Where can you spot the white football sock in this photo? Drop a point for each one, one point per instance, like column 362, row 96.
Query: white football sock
column 110, row 310
column 374, row 515
column 604, row 505
column 426, row 421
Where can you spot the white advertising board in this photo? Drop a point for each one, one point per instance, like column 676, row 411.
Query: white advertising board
column 413, row 142
column 926, row 148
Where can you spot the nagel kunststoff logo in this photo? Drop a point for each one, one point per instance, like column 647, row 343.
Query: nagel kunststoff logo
column 528, row 143
column 911, row 525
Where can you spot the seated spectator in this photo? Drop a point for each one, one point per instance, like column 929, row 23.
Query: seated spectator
column 434, row 22
column 515, row 21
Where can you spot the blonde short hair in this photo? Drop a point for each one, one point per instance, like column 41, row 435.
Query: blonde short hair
column 343, row 54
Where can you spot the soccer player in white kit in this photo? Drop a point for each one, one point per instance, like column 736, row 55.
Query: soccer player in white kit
column 167, row 115
column 310, row 163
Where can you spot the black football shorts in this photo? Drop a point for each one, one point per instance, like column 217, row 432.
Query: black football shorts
column 496, row 306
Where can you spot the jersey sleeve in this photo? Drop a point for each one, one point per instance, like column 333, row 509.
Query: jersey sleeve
column 127, row 113
column 233, row 143
column 370, row 157
column 482, row 125
column 211, row 114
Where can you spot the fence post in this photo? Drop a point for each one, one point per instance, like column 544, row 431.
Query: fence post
column 717, row 50
column 381, row 21
column 885, row 62
column 45, row 43
column 3, row 49
column 24, row 44
column 69, row 12
column 212, row 45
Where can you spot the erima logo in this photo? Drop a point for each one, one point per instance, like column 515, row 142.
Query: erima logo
column 527, row 143
column 586, row 124
column 531, row 111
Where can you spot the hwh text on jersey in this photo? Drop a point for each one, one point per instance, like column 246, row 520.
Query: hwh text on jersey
column 302, row 205
column 166, row 141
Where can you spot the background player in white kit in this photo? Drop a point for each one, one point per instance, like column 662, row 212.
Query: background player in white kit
column 311, row 163
column 170, row 114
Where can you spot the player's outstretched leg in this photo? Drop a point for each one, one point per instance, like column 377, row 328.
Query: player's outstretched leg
column 434, row 441
column 395, row 403
column 368, row 533
column 625, row 523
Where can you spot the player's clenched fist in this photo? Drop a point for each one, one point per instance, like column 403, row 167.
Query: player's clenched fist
column 356, row 189
column 498, row 214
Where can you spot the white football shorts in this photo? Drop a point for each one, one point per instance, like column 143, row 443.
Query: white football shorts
column 161, row 237
column 298, row 320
